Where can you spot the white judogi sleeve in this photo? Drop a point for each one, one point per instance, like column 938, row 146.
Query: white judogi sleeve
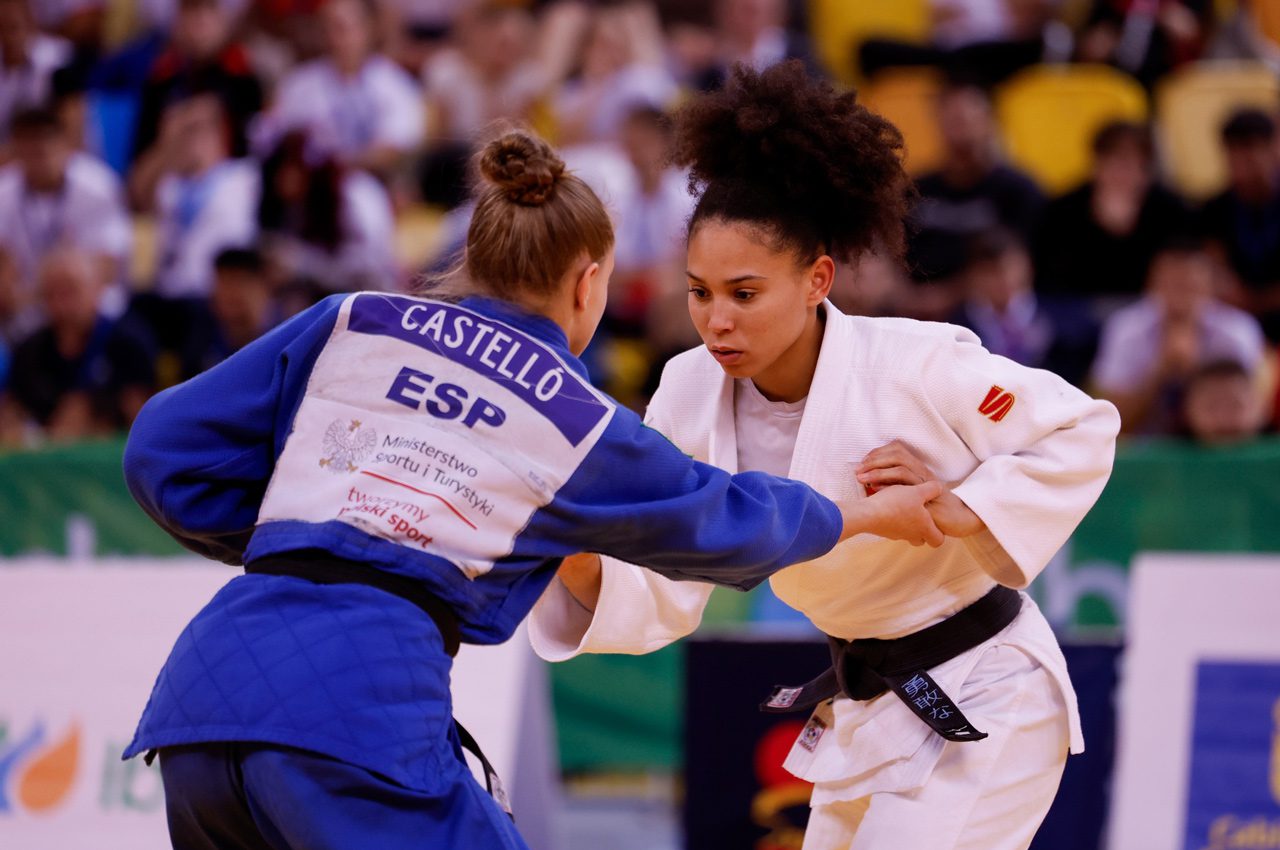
column 638, row 610
column 1045, row 450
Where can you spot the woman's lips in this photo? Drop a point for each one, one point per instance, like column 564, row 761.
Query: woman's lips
column 726, row 356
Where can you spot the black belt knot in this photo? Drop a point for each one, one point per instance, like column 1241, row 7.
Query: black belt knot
column 855, row 664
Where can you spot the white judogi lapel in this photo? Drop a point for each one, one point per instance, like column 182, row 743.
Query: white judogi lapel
column 722, row 443
column 826, row 411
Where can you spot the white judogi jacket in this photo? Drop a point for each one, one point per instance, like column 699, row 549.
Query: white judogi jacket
column 1031, row 474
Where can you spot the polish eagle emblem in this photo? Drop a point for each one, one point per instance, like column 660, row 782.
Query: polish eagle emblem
column 346, row 443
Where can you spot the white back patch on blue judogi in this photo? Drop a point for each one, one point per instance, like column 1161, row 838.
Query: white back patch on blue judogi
column 443, row 456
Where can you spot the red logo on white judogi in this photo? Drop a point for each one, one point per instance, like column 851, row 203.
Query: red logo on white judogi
column 997, row 404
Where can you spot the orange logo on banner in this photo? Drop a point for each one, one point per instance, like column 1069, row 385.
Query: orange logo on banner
column 997, row 404
column 44, row 773
column 48, row 778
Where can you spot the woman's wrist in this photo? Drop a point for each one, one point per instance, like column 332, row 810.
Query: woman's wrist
column 583, row 576
column 858, row 518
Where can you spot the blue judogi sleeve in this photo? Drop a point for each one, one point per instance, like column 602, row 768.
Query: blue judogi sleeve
column 639, row 498
column 200, row 454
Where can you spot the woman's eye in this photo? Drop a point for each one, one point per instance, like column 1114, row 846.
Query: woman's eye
column 698, row 292
column 744, row 295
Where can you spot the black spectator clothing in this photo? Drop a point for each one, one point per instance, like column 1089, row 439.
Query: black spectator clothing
column 204, row 348
column 1052, row 334
column 206, row 344
column 1075, row 256
column 946, row 218
column 1250, row 235
column 119, row 355
column 172, row 78
column 1160, row 54
column 988, row 62
column 1250, row 238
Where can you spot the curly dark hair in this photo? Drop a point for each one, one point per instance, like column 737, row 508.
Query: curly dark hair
column 809, row 166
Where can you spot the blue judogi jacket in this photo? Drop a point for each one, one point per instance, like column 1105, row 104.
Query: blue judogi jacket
column 459, row 445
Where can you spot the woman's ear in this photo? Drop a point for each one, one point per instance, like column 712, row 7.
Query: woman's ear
column 822, row 274
column 582, row 287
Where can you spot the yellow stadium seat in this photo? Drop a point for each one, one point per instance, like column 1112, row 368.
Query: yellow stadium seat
column 1191, row 106
column 417, row 239
column 418, row 235
column 1267, row 15
column 542, row 120
column 1049, row 115
column 909, row 98
column 838, row 26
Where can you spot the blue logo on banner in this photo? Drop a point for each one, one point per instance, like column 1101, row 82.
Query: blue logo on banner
column 498, row 352
column 1234, row 798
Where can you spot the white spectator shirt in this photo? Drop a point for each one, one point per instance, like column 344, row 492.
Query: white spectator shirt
column 198, row 217
column 468, row 102
column 605, row 168
column 379, row 105
column 88, row 213
column 971, row 21
column 1129, row 352
column 28, row 85
column 770, row 49
column 651, row 227
column 605, row 103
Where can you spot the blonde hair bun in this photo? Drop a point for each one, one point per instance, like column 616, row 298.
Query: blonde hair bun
column 523, row 167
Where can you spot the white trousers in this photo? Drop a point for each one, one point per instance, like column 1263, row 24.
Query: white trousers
column 982, row 795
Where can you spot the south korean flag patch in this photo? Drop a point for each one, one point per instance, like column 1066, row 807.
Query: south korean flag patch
column 783, row 698
column 812, row 733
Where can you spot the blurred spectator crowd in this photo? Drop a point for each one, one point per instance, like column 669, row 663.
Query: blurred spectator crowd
column 1097, row 181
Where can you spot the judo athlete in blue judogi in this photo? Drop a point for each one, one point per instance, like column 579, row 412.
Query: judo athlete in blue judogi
column 399, row 474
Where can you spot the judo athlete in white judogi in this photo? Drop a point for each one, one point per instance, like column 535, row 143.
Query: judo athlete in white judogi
column 1023, row 454
column 1031, row 475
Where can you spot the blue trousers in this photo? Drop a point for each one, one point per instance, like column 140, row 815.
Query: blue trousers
column 244, row 796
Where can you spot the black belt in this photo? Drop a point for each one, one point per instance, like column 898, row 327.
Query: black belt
column 320, row 567
column 316, row 565
column 864, row 669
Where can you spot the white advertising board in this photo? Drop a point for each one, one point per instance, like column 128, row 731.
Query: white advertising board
column 80, row 645
column 1198, row 762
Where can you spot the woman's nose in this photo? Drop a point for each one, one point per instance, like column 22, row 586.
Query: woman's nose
column 720, row 321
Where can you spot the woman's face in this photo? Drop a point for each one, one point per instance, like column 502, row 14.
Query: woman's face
column 750, row 303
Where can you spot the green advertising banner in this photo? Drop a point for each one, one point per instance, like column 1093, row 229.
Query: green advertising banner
column 1163, row 496
column 72, row 500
